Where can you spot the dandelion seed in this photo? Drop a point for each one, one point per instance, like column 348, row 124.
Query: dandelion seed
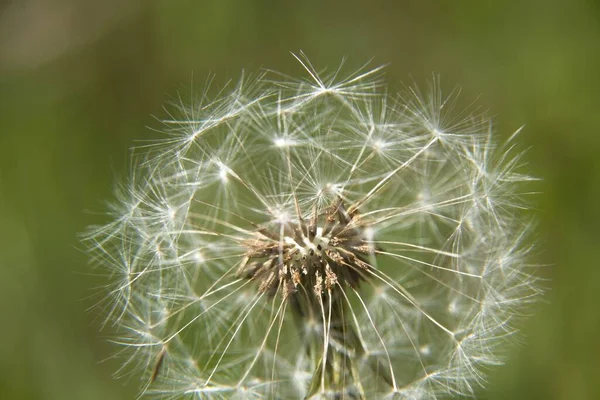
column 158, row 365
column 318, row 239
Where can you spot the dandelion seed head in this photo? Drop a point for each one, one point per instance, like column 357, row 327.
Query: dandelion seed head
column 317, row 238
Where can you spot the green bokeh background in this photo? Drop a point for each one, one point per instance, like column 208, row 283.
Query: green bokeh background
column 81, row 80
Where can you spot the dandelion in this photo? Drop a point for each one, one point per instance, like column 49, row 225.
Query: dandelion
column 317, row 239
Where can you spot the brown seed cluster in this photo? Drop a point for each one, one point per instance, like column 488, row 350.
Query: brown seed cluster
column 327, row 251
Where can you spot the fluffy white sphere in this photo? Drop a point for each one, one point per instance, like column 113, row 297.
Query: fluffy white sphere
column 317, row 238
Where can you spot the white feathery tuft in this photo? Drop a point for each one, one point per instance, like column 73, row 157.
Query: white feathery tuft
column 318, row 238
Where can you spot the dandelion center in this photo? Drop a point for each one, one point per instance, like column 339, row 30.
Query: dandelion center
column 328, row 250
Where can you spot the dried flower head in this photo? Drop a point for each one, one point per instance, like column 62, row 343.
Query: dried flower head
column 317, row 239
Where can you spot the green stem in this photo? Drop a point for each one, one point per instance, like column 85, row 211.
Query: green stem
column 336, row 375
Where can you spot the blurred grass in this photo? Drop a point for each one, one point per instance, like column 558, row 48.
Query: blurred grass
column 79, row 81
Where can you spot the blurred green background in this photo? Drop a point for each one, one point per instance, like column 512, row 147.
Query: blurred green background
column 81, row 80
